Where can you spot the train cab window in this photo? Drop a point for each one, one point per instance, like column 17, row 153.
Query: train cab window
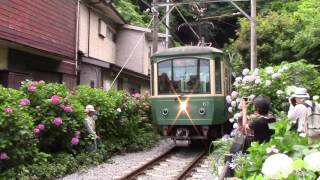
column 164, row 77
column 184, row 76
column 218, row 76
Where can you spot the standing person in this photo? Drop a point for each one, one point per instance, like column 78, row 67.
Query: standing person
column 258, row 126
column 299, row 109
column 90, row 124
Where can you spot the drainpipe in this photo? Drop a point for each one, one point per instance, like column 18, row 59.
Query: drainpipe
column 77, row 37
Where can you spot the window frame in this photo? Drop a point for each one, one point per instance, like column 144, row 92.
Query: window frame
column 199, row 59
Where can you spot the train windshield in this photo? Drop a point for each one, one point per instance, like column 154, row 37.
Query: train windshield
column 190, row 76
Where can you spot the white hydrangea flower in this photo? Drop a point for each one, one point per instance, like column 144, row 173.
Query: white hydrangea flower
column 230, row 109
column 313, row 161
column 252, row 96
column 233, row 103
column 231, row 120
column 238, row 79
column 236, row 115
column 277, row 166
column 235, row 126
column 257, row 81
column 269, row 70
column 315, row 98
column 119, row 110
column 256, row 72
column 234, row 94
column 228, row 99
column 276, row 75
column 268, row 82
column 245, row 71
column 279, row 92
column 238, row 100
column 245, row 80
column 251, row 78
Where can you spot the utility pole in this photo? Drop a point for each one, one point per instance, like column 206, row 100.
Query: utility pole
column 167, row 24
column 253, row 48
column 155, row 26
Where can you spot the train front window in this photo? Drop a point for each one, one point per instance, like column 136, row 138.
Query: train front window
column 184, row 76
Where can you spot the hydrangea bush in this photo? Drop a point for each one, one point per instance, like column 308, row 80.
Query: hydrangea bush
column 56, row 114
column 277, row 82
column 17, row 142
column 287, row 155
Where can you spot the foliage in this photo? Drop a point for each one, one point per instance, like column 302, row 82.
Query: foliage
column 48, row 103
column 131, row 13
column 284, row 32
column 120, row 116
column 284, row 141
column 220, row 148
column 36, row 145
column 275, row 82
column 17, row 144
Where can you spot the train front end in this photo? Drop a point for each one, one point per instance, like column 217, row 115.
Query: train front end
column 188, row 92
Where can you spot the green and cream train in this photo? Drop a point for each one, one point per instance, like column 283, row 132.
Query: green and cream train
column 189, row 86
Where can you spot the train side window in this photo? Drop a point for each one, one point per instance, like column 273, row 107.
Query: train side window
column 218, row 76
column 164, row 76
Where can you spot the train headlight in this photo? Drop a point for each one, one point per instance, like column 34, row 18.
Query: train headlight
column 202, row 111
column 183, row 106
column 165, row 111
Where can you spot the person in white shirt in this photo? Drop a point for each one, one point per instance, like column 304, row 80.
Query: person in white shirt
column 299, row 109
column 90, row 124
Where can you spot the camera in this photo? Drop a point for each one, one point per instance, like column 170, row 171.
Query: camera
column 245, row 99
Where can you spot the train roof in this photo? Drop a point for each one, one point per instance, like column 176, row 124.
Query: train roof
column 186, row 51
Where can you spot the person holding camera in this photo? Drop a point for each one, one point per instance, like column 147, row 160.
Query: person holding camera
column 299, row 109
column 258, row 125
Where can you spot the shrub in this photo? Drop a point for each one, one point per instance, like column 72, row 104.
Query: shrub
column 17, row 144
column 275, row 82
column 57, row 115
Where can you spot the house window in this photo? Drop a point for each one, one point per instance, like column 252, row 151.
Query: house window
column 102, row 28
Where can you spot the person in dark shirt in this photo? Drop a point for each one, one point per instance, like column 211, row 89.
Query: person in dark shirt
column 259, row 125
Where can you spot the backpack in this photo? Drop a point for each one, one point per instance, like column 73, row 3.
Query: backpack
column 313, row 121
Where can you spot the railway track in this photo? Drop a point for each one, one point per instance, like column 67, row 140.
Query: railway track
column 176, row 163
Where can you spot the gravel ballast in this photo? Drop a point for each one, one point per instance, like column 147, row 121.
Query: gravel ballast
column 120, row 165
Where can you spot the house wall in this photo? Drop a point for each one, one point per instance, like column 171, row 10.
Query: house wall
column 126, row 41
column 90, row 42
column 42, row 24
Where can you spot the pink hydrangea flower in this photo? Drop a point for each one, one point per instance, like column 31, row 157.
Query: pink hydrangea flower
column 8, row 110
column 55, row 99
column 41, row 126
column 42, row 82
column 24, row 101
column 32, row 88
column 136, row 95
column 36, row 131
column 4, row 156
column 57, row 121
column 65, row 99
column 74, row 141
column 77, row 133
column 62, row 106
column 68, row 109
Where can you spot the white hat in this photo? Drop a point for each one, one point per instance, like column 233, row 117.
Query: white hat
column 89, row 108
column 300, row 93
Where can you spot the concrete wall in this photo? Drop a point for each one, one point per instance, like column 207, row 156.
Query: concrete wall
column 126, row 41
column 102, row 48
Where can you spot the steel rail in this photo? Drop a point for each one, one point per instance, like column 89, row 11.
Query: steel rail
column 187, row 170
column 149, row 164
